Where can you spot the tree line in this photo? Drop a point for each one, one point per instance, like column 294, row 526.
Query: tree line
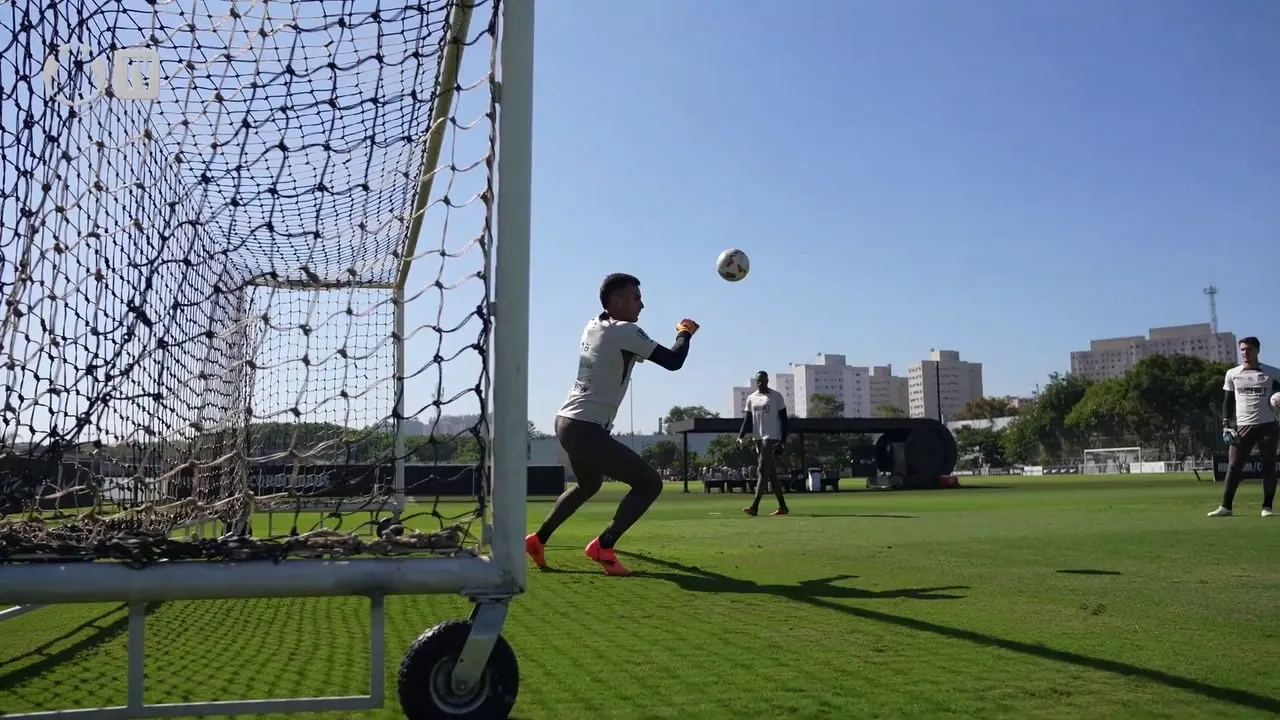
column 1169, row 405
column 322, row 443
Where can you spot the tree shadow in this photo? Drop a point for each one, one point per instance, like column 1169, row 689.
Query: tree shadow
column 1242, row 698
column 693, row 579
column 1087, row 571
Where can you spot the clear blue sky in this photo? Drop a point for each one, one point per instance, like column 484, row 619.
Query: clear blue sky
column 1009, row 179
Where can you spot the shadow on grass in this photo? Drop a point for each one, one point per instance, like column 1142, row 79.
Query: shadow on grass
column 40, row 659
column 857, row 515
column 1087, row 571
column 1243, row 698
column 693, row 579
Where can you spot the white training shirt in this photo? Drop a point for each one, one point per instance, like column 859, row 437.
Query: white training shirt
column 1253, row 393
column 610, row 349
column 763, row 408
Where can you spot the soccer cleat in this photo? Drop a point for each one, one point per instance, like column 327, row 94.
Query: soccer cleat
column 1221, row 512
column 780, row 511
column 536, row 551
column 750, row 511
column 1266, row 512
column 607, row 558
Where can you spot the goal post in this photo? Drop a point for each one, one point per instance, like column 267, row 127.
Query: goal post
column 1110, row 461
column 227, row 298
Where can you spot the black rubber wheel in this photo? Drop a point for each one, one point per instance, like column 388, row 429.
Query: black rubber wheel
column 424, row 683
column 927, row 451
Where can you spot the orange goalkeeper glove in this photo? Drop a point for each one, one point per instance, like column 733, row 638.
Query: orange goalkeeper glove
column 687, row 326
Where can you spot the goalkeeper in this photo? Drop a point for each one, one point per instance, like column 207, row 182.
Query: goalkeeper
column 1248, row 422
column 611, row 346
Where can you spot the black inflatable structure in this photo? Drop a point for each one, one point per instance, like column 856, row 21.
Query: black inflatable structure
column 918, row 451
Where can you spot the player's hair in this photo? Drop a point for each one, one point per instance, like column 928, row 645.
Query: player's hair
column 613, row 283
column 1252, row 342
column 762, row 374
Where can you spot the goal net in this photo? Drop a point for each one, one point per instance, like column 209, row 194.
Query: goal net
column 1111, row 461
column 244, row 258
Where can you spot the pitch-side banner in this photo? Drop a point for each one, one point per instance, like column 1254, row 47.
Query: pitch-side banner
column 1252, row 467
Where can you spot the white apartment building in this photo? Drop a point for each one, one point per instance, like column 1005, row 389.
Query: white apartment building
column 831, row 375
column 885, row 389
column 1112, row 357
column 784, row 383
column 943, row 382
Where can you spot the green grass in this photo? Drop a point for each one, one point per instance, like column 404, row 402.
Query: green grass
column 1044, row 598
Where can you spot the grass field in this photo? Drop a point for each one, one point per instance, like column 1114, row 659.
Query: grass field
column 1097, row 597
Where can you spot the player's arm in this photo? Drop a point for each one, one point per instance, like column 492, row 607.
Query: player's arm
column 782, row 425
column 1228, row 402
column 746, row 425
column 641, row 345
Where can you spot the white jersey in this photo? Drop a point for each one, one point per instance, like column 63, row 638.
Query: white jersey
column 610, row 349
column 1253, row 388
column 763, row 407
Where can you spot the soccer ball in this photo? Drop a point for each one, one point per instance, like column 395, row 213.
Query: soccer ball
column 733, row 265
column 1275, row 402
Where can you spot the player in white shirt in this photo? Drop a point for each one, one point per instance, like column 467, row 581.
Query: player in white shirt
column 1248, row 422
column 611, row 346
column 765, row 417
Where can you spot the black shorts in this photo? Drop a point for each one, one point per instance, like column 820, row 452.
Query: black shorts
column 1264, row 437
column 594, row 454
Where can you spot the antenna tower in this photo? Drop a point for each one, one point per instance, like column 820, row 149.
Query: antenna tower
column 1212, row 293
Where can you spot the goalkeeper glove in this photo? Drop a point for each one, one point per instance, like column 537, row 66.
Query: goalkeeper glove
column 1228, row 436
column 687, row 326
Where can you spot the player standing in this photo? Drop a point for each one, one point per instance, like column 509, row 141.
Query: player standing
column 765, row 417
column 1248, row 422
column 611, row 346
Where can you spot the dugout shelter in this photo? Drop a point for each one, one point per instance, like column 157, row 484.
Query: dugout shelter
column 918, row 451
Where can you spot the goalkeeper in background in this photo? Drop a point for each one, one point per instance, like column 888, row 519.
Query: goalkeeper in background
column 611, row 346
column 765, row 417
column 1249, row 422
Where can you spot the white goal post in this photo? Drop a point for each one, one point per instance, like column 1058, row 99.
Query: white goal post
column 495, row 571
column 1111, row 461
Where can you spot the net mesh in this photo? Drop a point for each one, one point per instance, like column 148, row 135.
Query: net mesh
column 221, row 224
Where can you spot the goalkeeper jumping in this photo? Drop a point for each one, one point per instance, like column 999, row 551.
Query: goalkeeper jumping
column 611, row 346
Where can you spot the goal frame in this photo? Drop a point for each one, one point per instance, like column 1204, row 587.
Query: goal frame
column 1084, row 457
column 490, row 581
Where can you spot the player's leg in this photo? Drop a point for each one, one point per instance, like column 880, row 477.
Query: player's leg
column 1268, row 439
column 762, row 482
column 588, row 481
column 769, row 461
column 1237, row 456
column 621, row 463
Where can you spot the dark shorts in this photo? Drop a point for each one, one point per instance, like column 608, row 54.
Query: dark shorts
column 594, row 454
column 1264, row 437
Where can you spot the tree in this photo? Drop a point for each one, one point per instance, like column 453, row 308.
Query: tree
column 662, row 455
column 725, row 451
column 830, row 450
column 888, row 410
column 981, row 445
column 1040, row 433
column 1107, row 412
column 535, row 433
column 986, row 408
column 686, row 412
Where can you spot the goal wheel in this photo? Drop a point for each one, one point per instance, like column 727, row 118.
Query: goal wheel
column 425, row 681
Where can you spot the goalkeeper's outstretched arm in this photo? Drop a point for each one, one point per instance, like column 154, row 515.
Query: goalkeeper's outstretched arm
column 672, row 358
column 1228, row 408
